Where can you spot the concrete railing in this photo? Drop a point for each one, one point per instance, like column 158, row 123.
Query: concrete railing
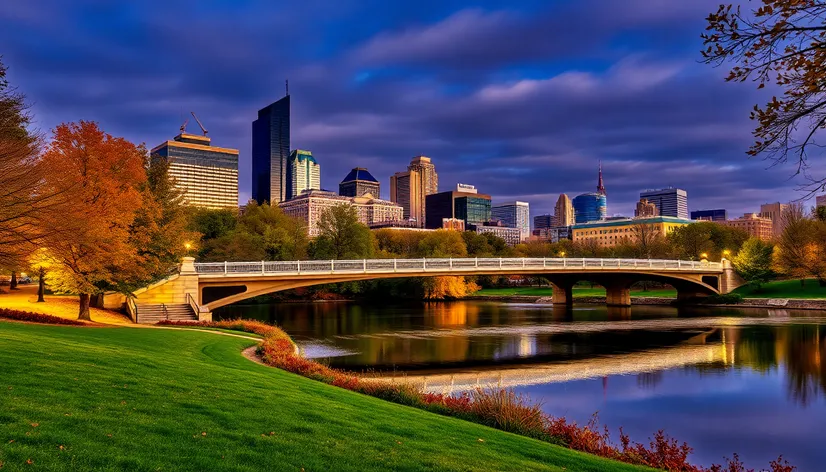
column 461, row 265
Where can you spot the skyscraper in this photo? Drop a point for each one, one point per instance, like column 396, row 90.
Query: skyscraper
column 464, row 203
column 669, row 201
column 513, row 215
column 304, row 173
column 774, row 212
column 359, row 182
column 590, row 207
column 410, row 189
column 564, row 210
column 207, row 175
column 270, row 152
column 543, row 222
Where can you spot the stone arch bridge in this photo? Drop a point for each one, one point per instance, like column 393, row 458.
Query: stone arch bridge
column 199, row 288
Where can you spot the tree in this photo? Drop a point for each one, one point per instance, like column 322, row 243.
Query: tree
column 754, row 262
column 263, row 232
column 100, row 175
column 690, row 241
column 159, row 231
column 23, row 198
column 780, row 43
column 801, row 249
column 442, row 243
column 342, row 235
column 820, row 213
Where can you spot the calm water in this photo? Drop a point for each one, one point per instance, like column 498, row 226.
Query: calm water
column 724, row 380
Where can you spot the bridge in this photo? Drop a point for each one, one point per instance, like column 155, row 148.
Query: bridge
column 205, row 286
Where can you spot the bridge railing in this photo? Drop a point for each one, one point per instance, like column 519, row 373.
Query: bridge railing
column 441, row 265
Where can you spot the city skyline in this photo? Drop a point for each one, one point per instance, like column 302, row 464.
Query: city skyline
column 353, row 100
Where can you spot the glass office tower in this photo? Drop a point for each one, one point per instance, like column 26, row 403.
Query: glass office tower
column 590, row 207
column 270, row 152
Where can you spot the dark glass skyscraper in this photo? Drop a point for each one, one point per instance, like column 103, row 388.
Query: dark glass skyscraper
column 590, row 207
column 270, row 152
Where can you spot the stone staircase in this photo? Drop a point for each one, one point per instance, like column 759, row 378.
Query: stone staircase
column 149, row 313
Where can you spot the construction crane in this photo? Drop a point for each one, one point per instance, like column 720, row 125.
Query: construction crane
column 199, row 123
column 183, row 126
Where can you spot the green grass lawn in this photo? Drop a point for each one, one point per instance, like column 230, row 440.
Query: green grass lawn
column 578, row 292
column 785, row 289
column 149, row 399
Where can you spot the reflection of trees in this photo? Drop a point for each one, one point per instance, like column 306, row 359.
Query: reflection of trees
column 803, row 350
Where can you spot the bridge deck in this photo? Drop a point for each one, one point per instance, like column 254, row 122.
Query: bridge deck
column 450, row 265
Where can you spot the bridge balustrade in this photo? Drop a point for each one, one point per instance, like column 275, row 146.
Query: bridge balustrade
column 445, row 265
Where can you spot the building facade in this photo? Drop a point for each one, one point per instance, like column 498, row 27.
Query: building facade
column 542, row 222
column 710, row 215
column 310, row 205
column 553, row 234
column 756, row 226
column 774, row 212
column 514, row 215
column 669, row 201
column 589, row 207
column 453, row 224
column 611, row 233
column 270, row 152
column 206, row 175
column 411, row 188
column 467, row 205
column 359, row 182
column 564, row 211
column 820, row 201
column 303, row 173
column 512, row 236
column 645, row 209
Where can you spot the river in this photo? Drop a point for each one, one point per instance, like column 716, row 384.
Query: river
column 725, row 380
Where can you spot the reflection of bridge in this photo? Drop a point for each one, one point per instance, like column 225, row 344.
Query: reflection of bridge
column 602, row 366
column 207, row 286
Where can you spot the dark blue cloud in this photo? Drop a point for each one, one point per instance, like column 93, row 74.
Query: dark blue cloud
column 522, row 102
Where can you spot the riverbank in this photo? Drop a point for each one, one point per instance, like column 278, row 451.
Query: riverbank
column 792, row 304
column 185, row 400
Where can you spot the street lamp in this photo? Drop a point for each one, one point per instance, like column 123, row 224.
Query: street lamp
column 188, row 246
column 703, row 256
column 561, row 253
column 726, row 253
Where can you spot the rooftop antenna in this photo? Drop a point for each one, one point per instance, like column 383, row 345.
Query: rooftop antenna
column 287, row 85
column 199, row 123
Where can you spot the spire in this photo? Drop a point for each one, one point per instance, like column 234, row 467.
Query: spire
column 600, row 186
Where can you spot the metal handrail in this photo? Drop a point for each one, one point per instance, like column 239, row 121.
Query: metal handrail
column 441, row 265
column 193, row 304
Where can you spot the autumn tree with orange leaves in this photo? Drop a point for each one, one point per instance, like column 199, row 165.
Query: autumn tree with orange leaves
column 100, row 177
column 782, row 44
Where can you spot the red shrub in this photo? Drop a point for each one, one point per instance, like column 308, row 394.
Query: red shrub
column 37, row 317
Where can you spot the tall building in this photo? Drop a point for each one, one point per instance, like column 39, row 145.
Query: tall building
column 590, row 207
column 710, row 215
column 310, row 205
column 541, row 222
column 411, row 188
column 669, row 201
column 600, row 184
column 774, row 212
column 756, row 226
column 564, row 209
column 820, row 201
column 359, row 182
column 465, row 203
column 610, row 233
column 513, row 215
column 303, row 173
column 206, row 175
column 270, row 152
column 645, row 209
column 512, row 236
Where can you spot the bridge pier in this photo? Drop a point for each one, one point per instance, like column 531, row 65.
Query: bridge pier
column 563, row 293
column 617, row 294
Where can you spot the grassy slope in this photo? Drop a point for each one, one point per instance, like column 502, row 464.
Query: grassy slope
column 578, row 292
column 140, row 399
column 785, row 289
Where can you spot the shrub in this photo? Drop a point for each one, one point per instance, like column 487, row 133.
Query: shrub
column 37, row 317
column 724, row 299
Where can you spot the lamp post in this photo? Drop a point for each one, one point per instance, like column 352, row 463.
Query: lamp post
column 726, row 253
column 188, row 246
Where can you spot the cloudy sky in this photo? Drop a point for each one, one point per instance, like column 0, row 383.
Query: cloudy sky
column 520, row 98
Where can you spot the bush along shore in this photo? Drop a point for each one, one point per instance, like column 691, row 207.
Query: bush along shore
column 498, row 408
